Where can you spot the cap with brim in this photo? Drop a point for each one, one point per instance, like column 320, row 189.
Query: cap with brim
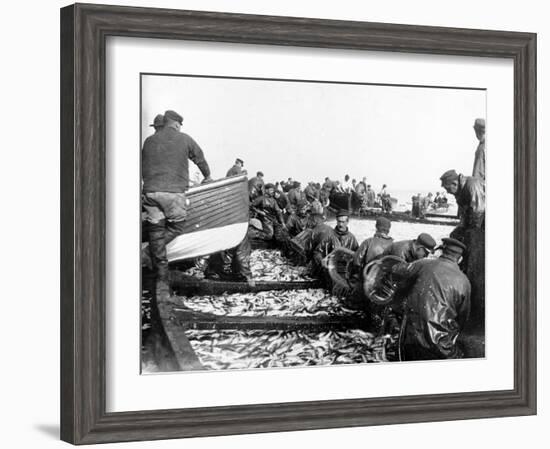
column 449, row 175
column 240, row 161
column 173, row 115
column 158, row 121
column 259, row 173
column 383, row 224
column 269, row 186
column 426, row 241
column 453, row 245
column 342, row 213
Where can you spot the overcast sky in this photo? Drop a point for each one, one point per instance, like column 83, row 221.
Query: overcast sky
column 405, row 137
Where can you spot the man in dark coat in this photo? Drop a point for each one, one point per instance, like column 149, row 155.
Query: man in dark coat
column 296, row 194
column 411, row 250
column 437, row 304
column 374, row 246
column 479, row 159
column 268, row 212
column 256, row 186
column 165, row 172
column 311, row 193
column 297, row 221
column 469, row 193
column 323, row 242
column 237, row 168
column 346, row 238
column 282, row 200
column 370, row 196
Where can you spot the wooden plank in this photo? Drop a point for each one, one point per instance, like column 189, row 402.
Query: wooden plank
column 189, row 319
column 185, row 355
column 187, row 285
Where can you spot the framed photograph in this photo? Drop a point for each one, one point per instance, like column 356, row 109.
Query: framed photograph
column 275, row 223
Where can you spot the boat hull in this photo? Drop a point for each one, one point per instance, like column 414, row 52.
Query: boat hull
column 217, row 219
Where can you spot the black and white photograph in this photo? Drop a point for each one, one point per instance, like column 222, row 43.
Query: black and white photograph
column 306, row 223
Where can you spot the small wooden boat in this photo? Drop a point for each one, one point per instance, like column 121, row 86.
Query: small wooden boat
column 429, row 218
column 341, row 200
column 217, row 219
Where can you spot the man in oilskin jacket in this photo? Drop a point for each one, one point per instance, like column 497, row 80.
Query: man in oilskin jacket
column 346, row 238
column 374, row 246
column 411, row 250
column 323, row 242
column 268, row 212
column 469, row 193
column 437, row 304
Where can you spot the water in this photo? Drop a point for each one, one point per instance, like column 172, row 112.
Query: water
column 404, row 199
column 363, row 229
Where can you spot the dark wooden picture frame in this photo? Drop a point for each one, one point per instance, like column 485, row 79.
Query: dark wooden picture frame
column 84, row 29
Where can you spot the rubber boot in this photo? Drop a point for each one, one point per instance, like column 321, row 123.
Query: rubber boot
column 157, row 248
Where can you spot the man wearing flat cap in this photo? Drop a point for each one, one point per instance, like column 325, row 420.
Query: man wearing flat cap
column 165, row 173
column 469, row 193
column 256, row 186
column 346, row 238
column 411, row 250
column 436, row 306
column 237, row 168
column 296, row 194
column 372, row 248
column 158, row 123
column 266, row 209
column 479, row 160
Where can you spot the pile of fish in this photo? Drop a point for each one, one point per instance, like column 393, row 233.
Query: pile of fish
column 260, row 349
column 269, row 265
column 266, row 265
column 306, row 302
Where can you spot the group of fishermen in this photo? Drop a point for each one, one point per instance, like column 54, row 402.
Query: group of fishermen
column 441, row 290
column 421, row 205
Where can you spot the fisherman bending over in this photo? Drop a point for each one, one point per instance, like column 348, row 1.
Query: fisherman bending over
column 469, row 193
column 411, row 250
column 165, row 172
column 437, row 304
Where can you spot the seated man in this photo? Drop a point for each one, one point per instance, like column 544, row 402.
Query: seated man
column 374, row 246
column 411, row 250
column 256, row 186
column 297, row 220
column 437, row 304
column 266, row 209
column 282, row 201
column 323, row 242
column 346, row 238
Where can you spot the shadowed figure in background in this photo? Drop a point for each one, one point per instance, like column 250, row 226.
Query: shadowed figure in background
column 479, row 160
